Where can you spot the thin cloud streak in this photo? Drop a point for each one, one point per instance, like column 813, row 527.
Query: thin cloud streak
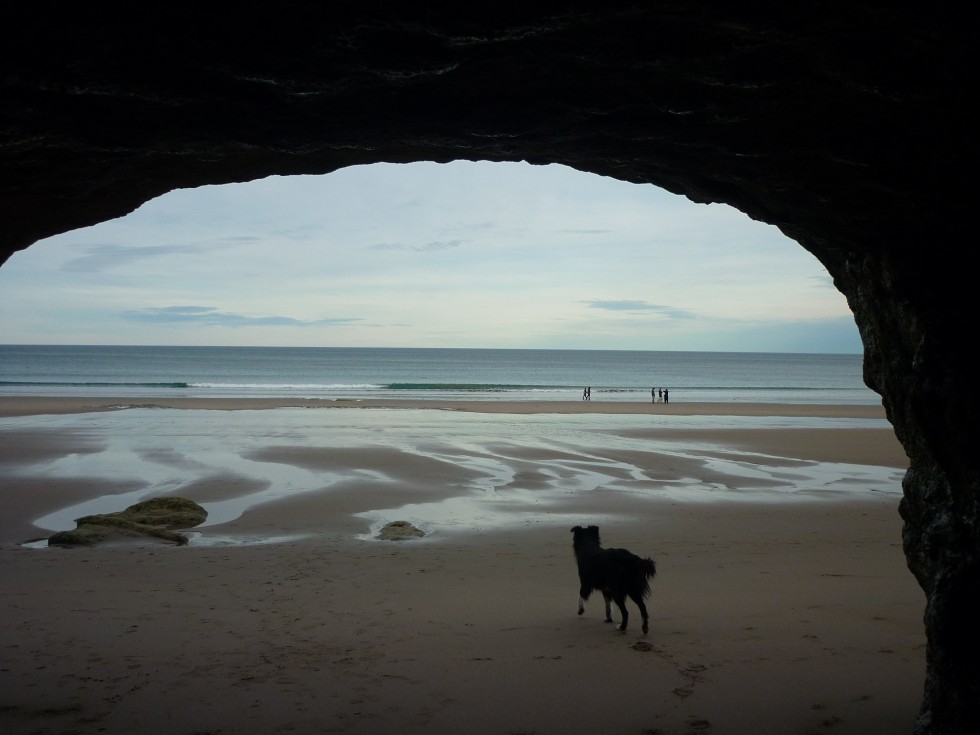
column 210, row 316
column 101, row 258
column 429, row 247
column 632, row 306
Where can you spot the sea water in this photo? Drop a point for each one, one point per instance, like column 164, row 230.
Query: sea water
column 446, row 374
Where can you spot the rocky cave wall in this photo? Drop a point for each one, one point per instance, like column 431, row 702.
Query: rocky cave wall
column 845, row 128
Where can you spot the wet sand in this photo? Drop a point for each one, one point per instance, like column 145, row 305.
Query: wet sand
column 33, row 405
column 782, row 602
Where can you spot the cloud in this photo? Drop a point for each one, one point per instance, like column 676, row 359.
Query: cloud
column 239, row 239
column 178, row 310
column 210, row 316
column 100, row 258
column 427, row 247
column 643, row 306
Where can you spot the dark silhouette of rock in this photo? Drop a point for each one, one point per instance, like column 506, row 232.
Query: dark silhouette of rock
column 156, row 518
column 845, row 126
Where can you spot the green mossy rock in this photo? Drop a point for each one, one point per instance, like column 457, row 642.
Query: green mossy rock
column 399, row 531
column 156, row 518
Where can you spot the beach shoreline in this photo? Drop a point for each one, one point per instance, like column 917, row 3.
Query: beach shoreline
column 55, row 449
column 782, row 604
column 35, row 405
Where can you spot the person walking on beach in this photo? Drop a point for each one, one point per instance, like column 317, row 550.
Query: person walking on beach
column 585, row 394
column 666, row 399
column 653, row 395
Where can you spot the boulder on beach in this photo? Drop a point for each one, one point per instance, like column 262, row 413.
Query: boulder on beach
column 157, row 518
column 399, row 531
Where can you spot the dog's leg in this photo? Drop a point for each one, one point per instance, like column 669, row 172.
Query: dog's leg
column 607, row 598
column 621, row 604
column 583, row 595
column 638, row 599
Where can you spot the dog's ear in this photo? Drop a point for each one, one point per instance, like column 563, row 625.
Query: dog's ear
column 576, row 528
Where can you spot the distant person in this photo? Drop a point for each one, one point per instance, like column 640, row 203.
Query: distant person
column 585, row 394
column 588, row 393
column 666, row 398
column 660, row 394
column 653, row 395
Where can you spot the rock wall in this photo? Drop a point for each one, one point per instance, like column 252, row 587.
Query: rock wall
column 846, row 129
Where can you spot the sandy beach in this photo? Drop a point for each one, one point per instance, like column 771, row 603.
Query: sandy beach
column 782, row 603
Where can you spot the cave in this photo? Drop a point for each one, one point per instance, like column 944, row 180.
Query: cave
column 844, row 127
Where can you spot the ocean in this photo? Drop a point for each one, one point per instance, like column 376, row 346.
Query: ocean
column 445, row 374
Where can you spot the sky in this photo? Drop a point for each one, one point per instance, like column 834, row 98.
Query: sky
column 464, row 254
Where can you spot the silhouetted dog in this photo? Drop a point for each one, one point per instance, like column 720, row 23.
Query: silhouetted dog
column 616, row 573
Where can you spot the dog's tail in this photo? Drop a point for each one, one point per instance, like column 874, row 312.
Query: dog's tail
column 646, row 570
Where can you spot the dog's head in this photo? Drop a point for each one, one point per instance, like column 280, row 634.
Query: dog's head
column 585, row 536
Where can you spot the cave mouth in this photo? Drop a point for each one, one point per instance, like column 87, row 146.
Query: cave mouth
column 462, row 254
column 846, row 128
